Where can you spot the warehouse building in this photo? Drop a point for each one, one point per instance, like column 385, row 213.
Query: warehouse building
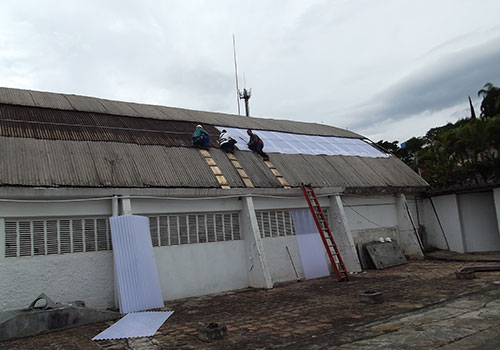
column 217, row 223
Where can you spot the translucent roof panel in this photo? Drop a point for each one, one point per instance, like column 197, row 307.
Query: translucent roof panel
column 286, row 143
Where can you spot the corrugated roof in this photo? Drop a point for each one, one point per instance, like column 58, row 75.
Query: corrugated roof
column 52, row 124
column 101, row 164
column 109, row 164
column 96, row 105
column 76, row 141
column 341, row 171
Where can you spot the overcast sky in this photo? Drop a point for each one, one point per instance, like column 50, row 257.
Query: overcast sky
column 386, row 69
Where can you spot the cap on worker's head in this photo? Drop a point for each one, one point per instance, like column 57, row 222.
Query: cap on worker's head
column 224, row 130
column 198, row 126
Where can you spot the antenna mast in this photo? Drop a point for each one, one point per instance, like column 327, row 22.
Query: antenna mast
column 245, row 95
column 236, row 76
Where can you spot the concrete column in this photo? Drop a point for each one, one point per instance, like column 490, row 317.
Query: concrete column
column 258, row 270
column 126, row 206
column 407, row 226
column 342, row 234
column 114, row 206
column 2, row 238
column 496, row 199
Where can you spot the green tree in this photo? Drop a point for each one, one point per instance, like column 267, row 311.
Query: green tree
column 490, row 106
column 388, row 146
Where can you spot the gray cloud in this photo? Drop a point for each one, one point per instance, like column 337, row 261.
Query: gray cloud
column 440, row 84
column 311, row 61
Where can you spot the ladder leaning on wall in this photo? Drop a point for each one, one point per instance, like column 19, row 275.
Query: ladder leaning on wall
column 325, row 233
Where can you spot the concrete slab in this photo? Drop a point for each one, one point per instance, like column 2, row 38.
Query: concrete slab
column 487, row 339
column 385, row 255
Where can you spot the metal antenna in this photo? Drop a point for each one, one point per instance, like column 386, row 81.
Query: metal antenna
column 245, row 95
column 236, row 76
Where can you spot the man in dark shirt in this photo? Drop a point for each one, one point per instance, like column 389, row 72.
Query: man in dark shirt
column 256, row 144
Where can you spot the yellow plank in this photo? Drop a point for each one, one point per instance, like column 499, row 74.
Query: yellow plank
column 248, row 183
column 231, row 156
column 216, row 170
column 275, row 172
column 283, row 182
column 242, row 173
column 205, row 153
column 222, row 180
column 269, row 164
column 237, row 164
column 211, row 162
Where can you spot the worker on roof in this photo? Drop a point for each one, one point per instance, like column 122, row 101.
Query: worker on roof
column 201, row 138
column 256, row 144
column 226, row 142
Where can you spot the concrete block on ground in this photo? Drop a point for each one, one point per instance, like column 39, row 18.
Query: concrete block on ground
column 212, row 332
column 24, row 323
column 385, row 255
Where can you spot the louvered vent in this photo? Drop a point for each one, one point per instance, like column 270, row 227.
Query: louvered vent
column 26, row 237
column 194, row 228
column 275, row 223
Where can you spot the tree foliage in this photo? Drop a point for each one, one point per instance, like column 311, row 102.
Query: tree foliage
column 462, row 154
column 491, row 100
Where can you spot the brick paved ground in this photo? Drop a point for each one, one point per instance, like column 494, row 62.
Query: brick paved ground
column 292, row 315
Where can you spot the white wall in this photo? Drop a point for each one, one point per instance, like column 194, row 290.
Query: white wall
column 143, row 206
column 184, row 270
column 278, row 260
column 496, row 198
column 66, row 277
column 42, row 209
column 469, row 221
column 204, row 268
column 371, row 217
column 479, row 222
column 447, row 211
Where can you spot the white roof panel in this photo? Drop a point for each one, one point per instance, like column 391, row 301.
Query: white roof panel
column 287, row 143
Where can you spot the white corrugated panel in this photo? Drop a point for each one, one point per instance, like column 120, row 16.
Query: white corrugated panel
column 287, row 143
column 136, row 276
column 133, row 325
column 311, row 249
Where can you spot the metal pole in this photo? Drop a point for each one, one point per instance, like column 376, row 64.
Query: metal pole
column 236, row 76
column 439, row 222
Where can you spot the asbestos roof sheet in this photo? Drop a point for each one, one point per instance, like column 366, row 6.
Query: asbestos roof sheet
column 226, row 167
column 54, row 163
column 51, row 124
column 101, row 164
column 342, row 171
column 55, row 140
column 49, row 100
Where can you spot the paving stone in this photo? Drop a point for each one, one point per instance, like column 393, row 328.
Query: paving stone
column 295, row 315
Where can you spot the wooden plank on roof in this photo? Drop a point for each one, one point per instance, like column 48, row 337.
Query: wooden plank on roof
column 246, row 179
column 276, row 173
column 215, row 169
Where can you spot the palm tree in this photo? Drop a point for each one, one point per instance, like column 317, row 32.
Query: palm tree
column 491, row 100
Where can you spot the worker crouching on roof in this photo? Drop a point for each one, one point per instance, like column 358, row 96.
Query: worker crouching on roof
column 226, row 142
column 256, row 144
column 200, row 137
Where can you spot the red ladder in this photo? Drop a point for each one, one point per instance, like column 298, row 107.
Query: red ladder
column 325, row 233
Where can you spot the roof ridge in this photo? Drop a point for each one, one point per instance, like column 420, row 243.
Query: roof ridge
column 81, row 103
